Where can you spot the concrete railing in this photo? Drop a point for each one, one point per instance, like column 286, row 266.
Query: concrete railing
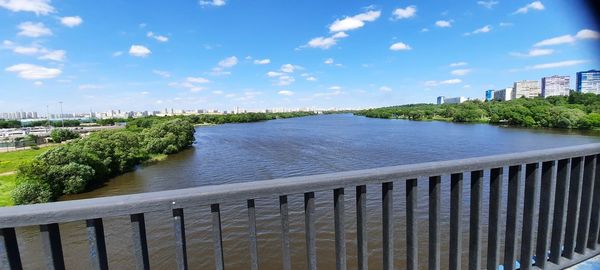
column 562, row 182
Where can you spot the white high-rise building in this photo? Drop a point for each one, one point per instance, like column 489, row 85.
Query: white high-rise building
column 455, row 100
column 555, row 86
column 503, row 94
column 526, row 88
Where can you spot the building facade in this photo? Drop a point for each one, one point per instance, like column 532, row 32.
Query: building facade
column 555, row 86
column 503, row 94
column 489, row 95
column 588, row 81
column 526, row 88
column 440, row 100
column 455, row 100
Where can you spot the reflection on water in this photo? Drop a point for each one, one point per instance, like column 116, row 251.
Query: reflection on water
column 291, row 147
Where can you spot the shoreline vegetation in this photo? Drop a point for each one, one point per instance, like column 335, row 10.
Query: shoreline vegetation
column 576, row 111
column 84, row 164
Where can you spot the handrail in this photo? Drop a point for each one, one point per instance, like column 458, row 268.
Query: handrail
column 66, row 211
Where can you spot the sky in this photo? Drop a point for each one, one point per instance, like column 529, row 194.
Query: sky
column 222, row 54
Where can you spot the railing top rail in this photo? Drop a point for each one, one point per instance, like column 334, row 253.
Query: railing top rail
column 65, row 211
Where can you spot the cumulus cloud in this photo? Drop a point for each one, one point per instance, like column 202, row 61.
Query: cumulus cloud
column 311, row 78
column 30, row 29
column 27, row 50
column 262, row 61
column 285, row 80
column 485, row 29
column 328, row 61
column 569, row 39
column 214, row 3
column 326, row 42
column 34, row 72
column 159, row 38
column 354, row 22
column 536, row 5
column 460, row 72
column 197, row 80
column 286, row 93
column 288, row 68
column 404, row 13
column 443, row 24
column 139, row 51
column 274, row 74
column 38, row 7
column 58, row 55
column 587, row 34
column 71, row 21
column 191, row 83
column 228, row 62
column 487, row 4
column 399, row 46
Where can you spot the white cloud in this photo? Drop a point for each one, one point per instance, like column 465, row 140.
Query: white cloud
column 30, row 29
column 274, row 74
column 505, row 24
column 425, row 30
column 159, row 38
column 262, row 61
column 458, row 64
column 197, row 80
column 451, row 81
column 117, row 54
column 442, row 23
column 404, row 13
column 139, row 51
column 587, row 34
column 34, row 72
column 311, row 78
column 27, row 50
column 286, row 93
column 567, row 63
column 328, row 61
column 58, row 55
column 460, row 72
column 326, row 42
column 385, row 89
column 485, row 29
column 162, row 73
column 487, row 4
column 38, row 83
column 354, row 22
column 399, row 46
column 71, row 21
column 38, row 7
column 534, row 53
column 288, row 68
column 536, row 5
column 215, row 3
column 217, row 92
column 285, row 80
column 90, row 86
column 228, row 62
column 556, row 41
column 335, row 87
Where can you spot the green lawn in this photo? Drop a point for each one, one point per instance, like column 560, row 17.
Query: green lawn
column 7, row 184
column 10, row 161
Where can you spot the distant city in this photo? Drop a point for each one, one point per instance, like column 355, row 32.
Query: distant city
column 586, row 82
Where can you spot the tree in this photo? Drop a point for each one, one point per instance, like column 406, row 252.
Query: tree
column 59, row 135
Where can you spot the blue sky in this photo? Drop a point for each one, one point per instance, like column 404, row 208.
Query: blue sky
column 188, row 54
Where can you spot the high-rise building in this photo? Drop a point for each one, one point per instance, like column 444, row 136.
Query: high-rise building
column 555, row 86
column 588, row 81
column 440, row 100
column 503, row 94
column 526, row 88
column 455, row 100
column 489, row 95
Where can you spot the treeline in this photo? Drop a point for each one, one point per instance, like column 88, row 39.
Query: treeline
column 88, row 162
column 577, row 111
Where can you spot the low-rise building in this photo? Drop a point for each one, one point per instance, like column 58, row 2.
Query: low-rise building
column 526, row 88
column 555, row 86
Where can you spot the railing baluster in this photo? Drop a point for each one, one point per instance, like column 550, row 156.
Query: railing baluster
column 586, row 204
column 252, row 235
column 387, row 199
column 595, row 219
column 285, row 234
column 95, row 230
column 361, row 227
column 510, row 247
column 311, row 233
column 180, row 245
column 494, row 218
column 217, row 236
column 340, row 234
column 573, row 206
column 531, row 194
column 9, row 250
column 563, row 171
column 434, row 222
column 50, row 234
column 412, row 236
column 475, row 220
column 546, row 202
column 456, row 190
column 140, row 246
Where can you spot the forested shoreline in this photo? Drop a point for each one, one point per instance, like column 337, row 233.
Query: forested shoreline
column 576, row 111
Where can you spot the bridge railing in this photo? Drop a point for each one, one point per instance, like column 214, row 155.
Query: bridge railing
column 562, row 182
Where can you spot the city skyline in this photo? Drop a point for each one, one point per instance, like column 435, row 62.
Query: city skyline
column 266, row 55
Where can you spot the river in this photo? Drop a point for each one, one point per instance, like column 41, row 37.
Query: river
column 290, row 147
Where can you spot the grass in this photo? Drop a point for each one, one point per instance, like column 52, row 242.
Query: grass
column 155, row 158
column 7, row 184
column 10, row 161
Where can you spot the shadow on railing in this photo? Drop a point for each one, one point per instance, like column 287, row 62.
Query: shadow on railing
column 561, row 195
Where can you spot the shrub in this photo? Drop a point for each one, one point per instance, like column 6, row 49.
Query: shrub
column 32, row 192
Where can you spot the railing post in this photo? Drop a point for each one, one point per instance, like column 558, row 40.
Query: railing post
column 361, row 227
column 217, row 236
column 434, row 222
column 180, row 245
column 586, row 204
column 340, row 235
column 573, row 206
column 412, row 235
column 510, row 247
column 285, row 234
column 475, row 220
column 252, row 235
column 140, row 246
column 456, row 195
column 563, row 171
column 95, row 230
column 387, row 199
column 531, row 194
column 546, row 202
column 9, row 250
column 311, row 233
column 50, row 234
column 496, row 175
column 595, row 219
